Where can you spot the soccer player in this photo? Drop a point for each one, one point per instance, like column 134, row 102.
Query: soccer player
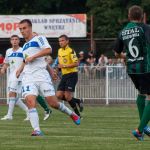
column 68, row 63
column 36, row 78
column 13, row 60
column 135, row 38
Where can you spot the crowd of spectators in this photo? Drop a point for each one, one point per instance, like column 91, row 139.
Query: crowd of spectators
column 92, row 66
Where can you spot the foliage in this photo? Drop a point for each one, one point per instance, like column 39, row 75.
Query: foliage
column 109, row 15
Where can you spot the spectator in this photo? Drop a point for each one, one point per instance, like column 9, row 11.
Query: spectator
column 1, row 59
column 103, row 60
column 101, row 66
column 111, row 68
column 91, row 63
column 82, row 62
column 120, row 68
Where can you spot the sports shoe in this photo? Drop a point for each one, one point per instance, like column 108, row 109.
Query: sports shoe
column 27, row 118
column 81, row 105
column 75, row 118
column 139, row 136
column 147, row 130
column 7, row 118
column 37, row 133
column 47, row 114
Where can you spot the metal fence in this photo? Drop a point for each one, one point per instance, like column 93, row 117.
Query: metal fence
column 103, row 84
column 3, row 86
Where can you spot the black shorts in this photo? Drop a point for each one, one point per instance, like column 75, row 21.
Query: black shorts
column 141, row 82
column 68, row 82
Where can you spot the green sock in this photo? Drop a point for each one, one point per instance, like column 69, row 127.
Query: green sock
column 140, row 104
column 145, row 118
column 43, row 104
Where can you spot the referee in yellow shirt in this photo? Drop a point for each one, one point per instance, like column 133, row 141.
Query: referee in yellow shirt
column 68, row 63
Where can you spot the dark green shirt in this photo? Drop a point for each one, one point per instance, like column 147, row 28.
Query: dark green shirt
column 135, row 38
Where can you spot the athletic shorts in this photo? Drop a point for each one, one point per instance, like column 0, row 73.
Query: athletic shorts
column 68, row 82
column 15, row 86
column 141, row 82
column 44, row 89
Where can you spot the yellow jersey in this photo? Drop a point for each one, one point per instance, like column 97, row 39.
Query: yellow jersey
column 67, row 56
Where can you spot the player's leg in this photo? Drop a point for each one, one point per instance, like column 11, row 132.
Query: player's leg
column 79, row 102
column 12, row 100
column 44, row 105
column 144, row 82
column 61, row 95
column 140, row 101
column 70, row 83
column 48, row 91
column 30, row 93
column 71, row 101
column 11, row 105
column 53, row 102
column 23, row 107
column 20, row 103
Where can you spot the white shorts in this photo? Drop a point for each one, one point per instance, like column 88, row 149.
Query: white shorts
column 38, row 88
column 15, row 86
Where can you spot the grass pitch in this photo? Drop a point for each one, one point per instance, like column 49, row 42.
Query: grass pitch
column 103, row 128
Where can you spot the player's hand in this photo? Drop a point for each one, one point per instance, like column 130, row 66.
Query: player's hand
column 18, row 72
column 2, row 71
column 54, row 77
column 29, row 59
column 60, row 66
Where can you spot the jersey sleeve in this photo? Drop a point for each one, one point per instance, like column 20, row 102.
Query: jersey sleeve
column 6, row 59
column 43, row 43
column 73, row 55
column 118, row 47
column 147, row 32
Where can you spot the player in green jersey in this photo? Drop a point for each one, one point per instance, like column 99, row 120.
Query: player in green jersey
column 135, row 39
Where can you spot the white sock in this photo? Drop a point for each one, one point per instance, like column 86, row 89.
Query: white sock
column 22, row 105
column 11, row 105
column 65, row 109
column 34, row 119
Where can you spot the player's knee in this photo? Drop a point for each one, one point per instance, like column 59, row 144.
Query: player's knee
column 68, row 97
column 12, row 94
column 59, row 95
column 31, row 102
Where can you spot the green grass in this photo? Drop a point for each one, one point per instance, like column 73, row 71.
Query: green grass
column 103, row 128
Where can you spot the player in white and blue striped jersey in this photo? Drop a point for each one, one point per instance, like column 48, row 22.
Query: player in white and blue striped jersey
column 13, row 60
column 36, row 79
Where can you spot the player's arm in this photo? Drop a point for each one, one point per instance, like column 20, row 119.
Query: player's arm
column 4, row 68
column 52, row 73
column 42, row 53
column 20, row 69
column 45, row 49
column 118, row 49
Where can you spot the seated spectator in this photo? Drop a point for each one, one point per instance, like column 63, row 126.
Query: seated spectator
column 91, row 63
column 101, row 66
column 111, row 68
column 82, row 61
column 103, row 60
column 120, row 68
column 1, row 59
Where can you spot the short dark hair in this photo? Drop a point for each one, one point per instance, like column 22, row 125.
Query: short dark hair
column 28, row 21
column 64, row 36
column 14, row 36
column 135, row 12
